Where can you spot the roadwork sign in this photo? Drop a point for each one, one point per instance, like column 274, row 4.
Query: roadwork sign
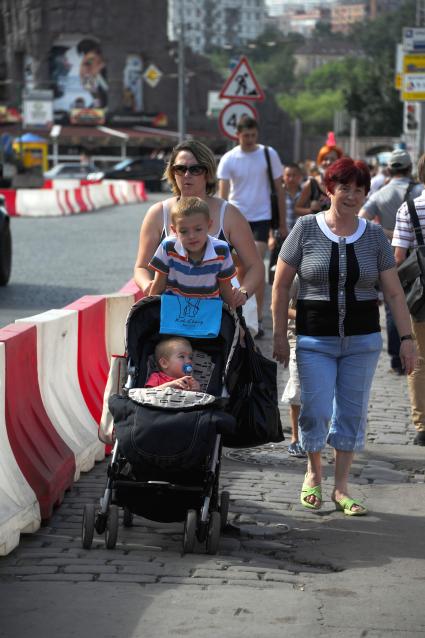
column 231, row 114
column 242, row 84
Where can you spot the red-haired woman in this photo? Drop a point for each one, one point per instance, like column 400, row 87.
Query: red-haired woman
column 313, row 197
column 339, row 259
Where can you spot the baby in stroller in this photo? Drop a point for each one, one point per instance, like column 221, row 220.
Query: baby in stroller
column 166, row 461
column 173, row 358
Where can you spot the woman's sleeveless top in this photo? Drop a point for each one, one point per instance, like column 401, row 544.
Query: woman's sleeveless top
column 166, row 221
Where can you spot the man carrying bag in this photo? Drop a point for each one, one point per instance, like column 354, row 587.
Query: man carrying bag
column 409, row 235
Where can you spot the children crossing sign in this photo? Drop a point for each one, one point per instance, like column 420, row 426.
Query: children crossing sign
column 242, row 84
column 230, row 116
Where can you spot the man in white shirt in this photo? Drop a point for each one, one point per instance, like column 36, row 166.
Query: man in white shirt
column 244, row 181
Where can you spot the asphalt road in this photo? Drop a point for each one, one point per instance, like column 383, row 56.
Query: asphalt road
column 58, row 260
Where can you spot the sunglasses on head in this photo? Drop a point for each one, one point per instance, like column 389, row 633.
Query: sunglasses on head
column 195, row 169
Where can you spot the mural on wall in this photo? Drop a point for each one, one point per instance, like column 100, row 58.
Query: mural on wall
column 133, row 84
column 78, row 74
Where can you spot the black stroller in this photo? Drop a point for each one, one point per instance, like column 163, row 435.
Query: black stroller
column 165, row 463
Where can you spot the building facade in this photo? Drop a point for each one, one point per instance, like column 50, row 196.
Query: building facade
column 344, row 15
column 208, row 24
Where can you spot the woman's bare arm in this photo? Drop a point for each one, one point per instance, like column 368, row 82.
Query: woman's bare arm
column 159, row 284
column 239, row 234
column 283, row 278
column 149, row 239
column 394, row 297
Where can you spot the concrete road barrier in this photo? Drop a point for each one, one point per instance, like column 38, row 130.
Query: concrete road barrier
column 19, row 508
column 93, row 362
column 57, row 369
column 44, row 459
column 70, row 197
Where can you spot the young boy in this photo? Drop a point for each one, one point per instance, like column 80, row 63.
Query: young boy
column 172, row 355
column 194, row 264
column 291, row 394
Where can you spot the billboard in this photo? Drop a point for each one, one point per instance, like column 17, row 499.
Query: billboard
column 78, row 74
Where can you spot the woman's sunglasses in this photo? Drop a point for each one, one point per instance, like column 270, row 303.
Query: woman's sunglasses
column 195, row 169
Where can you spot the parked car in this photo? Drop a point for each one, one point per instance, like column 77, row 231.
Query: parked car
column 70, row 170
column 5, row 244
column 147, row 169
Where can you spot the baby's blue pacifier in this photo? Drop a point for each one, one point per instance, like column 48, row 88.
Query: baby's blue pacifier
column 187, row 368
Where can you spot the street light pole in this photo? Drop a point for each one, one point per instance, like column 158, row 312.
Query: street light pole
column 420, row 20
column 181, row 120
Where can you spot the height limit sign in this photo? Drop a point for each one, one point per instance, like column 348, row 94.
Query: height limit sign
column 230, row 116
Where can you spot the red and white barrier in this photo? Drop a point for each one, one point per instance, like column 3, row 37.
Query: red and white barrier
column 93, row 362
column 57, row 367
column 45, row 202
column 44, row 459
column 117, row 309
column 19, row 508
column 53, row 371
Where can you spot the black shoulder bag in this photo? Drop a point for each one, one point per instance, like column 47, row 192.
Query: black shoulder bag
column 274, row 202
column 253, row 401
column 412, row 271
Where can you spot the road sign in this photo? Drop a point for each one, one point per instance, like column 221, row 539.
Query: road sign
column 413, row 39
column 231, row 114
column 152, row 75
column 215, row 104
column 413, row 89
column 413, row 78
column 242, row 84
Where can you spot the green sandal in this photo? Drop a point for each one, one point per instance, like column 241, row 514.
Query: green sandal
column 311, row 491
column 346, row 503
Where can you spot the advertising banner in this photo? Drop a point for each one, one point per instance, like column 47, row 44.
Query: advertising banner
column 78, row 74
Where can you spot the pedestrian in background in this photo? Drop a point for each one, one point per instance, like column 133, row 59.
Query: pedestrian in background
column 404, row 238
column 339, row 259
column 313, row 197
column 382, row 207
column 292, row 178
column 244, row 181
column 292, row 392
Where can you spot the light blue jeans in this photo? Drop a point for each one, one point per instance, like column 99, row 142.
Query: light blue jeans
column 336, row 375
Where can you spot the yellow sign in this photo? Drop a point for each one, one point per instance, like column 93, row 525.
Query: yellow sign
column 152, row 75
column 414, row 63
column 413, row 78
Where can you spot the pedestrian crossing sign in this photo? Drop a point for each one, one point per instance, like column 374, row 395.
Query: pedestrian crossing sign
column 242, row 84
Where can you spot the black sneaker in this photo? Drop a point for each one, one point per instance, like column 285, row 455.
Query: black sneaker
column 419, row 438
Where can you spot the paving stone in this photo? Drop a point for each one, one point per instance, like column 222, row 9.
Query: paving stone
column 126, row 578
column 380, row 473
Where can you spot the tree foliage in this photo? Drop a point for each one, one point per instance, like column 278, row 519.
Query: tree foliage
column 363, row 85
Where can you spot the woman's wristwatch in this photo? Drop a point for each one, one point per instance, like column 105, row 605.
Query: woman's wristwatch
column 245, row 292
column 406, row 338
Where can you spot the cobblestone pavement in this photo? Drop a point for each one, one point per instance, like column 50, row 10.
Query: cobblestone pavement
column 280, row 569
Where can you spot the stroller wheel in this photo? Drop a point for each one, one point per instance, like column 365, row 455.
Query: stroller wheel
column 189, row 535
column 100, row 522
column 213, row 536
column 87, row 531
column 111, row 531
column 127, row 518
column 224, row 508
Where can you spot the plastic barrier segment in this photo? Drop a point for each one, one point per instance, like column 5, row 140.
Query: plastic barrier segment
column 45, row 460
column 117, row 309
column 132, row 288
column 19, row 509
column 93, row 364
column 57, row 366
